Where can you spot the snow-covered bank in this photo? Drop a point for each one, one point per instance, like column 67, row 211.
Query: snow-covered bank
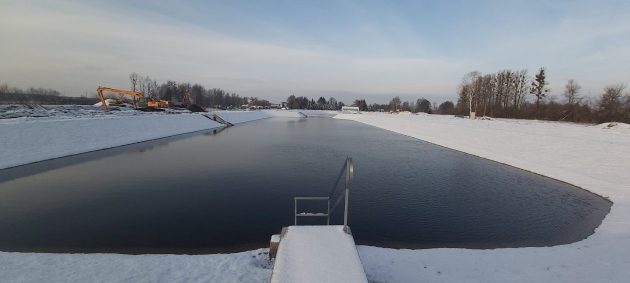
column 302, row 113
column 250, row 266
column 30, row 140
column 285, row 113
column 238, row 117
column 320, row 113
column 595, row 158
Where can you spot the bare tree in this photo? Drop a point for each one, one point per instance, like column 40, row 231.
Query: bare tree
column 151, row 87
column 4, row 88
column 469, row 92
column 571, row 92
column 394, row 104
column 520, row 88
column 133, row 80
column 610, row 104
column 487, row 92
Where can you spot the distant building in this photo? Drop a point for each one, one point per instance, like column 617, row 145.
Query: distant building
column 353, row 109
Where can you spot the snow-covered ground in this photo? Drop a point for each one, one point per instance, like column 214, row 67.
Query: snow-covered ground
column 25, row 140
column 593, row 157
column 250, row 266
column 36, row 112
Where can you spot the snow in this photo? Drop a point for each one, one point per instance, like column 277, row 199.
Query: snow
column 107, row 102
column 592, row 157
column 238, row 117
column 302, row 113
column 36, row 139
column 285, row 113
column 38, row 112
column 614, row 124
column 250, row 266
column 317, row 254
column 320, row 113
column 311, row 214
column 275, row 238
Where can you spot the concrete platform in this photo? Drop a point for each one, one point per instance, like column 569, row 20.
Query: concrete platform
column 317, row 254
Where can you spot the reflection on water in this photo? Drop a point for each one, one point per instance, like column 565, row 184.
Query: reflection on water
column 231, row 190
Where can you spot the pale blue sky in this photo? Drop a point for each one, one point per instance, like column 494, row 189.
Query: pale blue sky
column 370, row 49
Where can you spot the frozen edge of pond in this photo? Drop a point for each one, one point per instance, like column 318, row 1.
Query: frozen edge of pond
column 589, row 157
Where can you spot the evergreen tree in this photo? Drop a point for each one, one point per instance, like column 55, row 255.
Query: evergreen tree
column 539, row 89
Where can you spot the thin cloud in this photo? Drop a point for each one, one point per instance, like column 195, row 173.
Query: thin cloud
column 74, row 47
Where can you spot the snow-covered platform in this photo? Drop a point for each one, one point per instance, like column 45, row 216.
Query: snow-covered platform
column 317, row 254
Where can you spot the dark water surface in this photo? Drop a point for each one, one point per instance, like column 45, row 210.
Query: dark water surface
column 231, row 190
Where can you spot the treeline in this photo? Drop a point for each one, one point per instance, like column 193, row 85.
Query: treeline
column 196, row 93
column 14, row 95
column 397, row 105
column 513, row 94
column 302, row 102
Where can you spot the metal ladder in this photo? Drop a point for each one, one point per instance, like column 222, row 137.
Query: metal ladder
column 348, row 171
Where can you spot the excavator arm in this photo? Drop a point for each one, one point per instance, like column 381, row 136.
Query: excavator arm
column 100, row 90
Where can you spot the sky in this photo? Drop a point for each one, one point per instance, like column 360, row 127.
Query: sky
column 346, row 49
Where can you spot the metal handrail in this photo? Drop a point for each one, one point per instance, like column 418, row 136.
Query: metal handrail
column 305, row 214
column 348, row 170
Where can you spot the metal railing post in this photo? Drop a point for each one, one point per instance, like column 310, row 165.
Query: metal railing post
column 328, row 213
column 349, row 172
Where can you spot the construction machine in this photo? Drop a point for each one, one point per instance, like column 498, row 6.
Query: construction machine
column 154, row 104
column 157, row 104
column 100, row 90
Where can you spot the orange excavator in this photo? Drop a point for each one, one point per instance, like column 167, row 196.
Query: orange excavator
column 151, row 104
column 155, row 104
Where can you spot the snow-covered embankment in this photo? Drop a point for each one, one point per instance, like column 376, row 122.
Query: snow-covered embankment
column 596, row 158
column 237, row 117
column 27, row 141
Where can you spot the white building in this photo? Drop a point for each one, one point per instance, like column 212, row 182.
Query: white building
column 352, row 109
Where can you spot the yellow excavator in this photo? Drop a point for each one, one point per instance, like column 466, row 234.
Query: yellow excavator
column 157, row 104
column 150, row 104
